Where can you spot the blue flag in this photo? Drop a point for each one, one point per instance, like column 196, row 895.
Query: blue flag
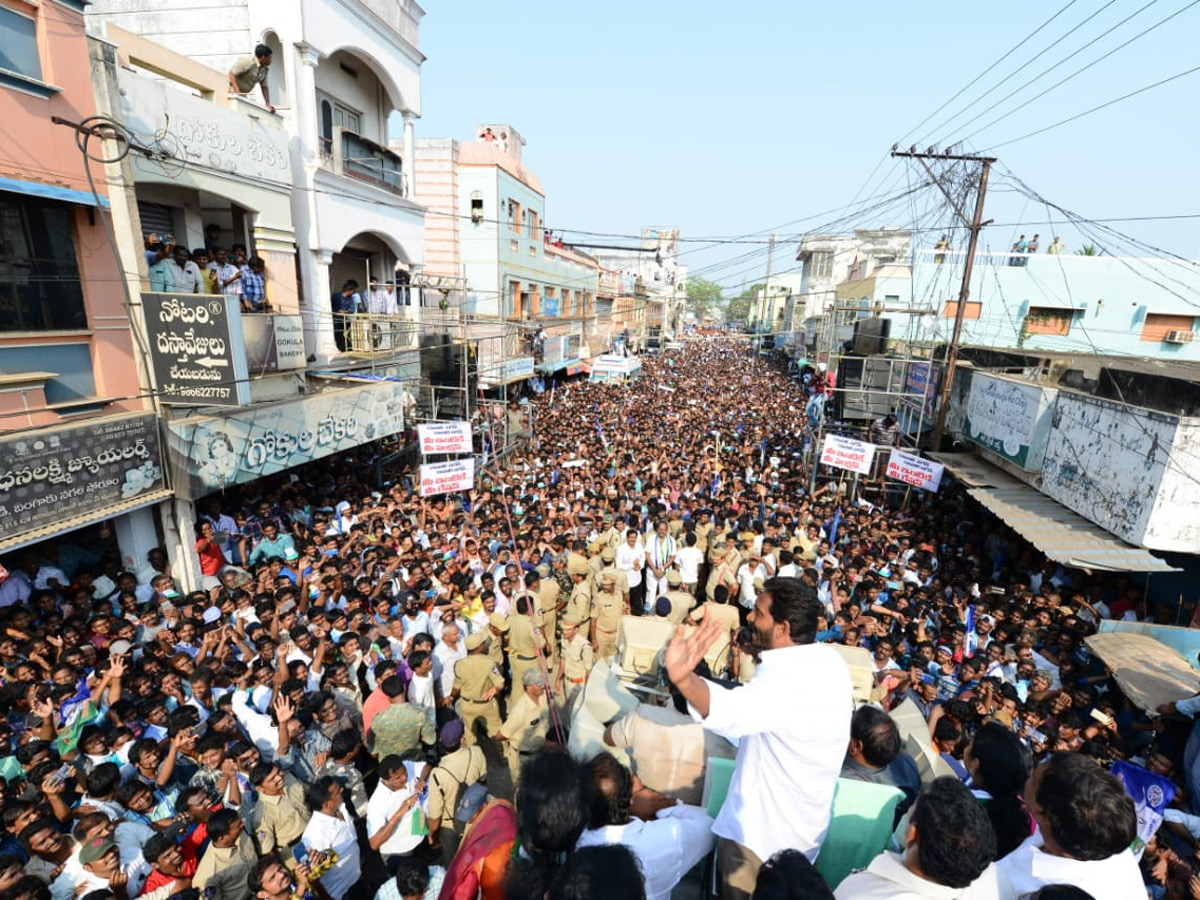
column 1151, row 795
column 831, row 527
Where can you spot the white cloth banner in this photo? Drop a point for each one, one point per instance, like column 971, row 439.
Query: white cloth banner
column 915, row 470
column 447, row 477
column 847, row 453
column 444, row 437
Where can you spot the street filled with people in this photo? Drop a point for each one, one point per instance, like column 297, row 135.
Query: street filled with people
column 373, row 694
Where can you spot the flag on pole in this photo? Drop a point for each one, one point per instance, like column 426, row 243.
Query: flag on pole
column 1151, row 795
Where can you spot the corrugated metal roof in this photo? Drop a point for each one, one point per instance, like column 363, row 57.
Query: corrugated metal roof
column 1064, row 536
column 62, row 527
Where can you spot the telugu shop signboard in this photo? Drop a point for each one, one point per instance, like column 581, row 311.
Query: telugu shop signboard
column 196, row 349
column 50, row 475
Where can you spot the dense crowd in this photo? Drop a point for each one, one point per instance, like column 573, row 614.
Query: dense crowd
column 372, row 693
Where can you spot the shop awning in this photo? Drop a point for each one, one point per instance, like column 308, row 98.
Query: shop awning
column 973, row 471
column 50, row 192
column 64, row 525
column 1064, row 536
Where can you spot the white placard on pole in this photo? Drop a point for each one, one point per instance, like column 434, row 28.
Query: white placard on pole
column 447, row 477
column 847, row 453
column 444, row 437
column 915, row 470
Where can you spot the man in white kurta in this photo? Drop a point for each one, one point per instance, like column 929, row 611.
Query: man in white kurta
column 792, row 725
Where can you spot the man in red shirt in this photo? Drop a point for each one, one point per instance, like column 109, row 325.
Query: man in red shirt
column 212, row 560
column 173, row 867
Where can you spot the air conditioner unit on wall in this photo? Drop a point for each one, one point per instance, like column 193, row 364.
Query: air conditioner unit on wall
column 1179, row 337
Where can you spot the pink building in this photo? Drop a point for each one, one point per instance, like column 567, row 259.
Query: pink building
column 78, row 442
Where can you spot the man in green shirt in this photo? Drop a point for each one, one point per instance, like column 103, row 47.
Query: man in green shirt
column 248, row 71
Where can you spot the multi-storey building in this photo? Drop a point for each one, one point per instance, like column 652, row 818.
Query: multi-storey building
column 486, row 225
column 80, row 458
column 341, row 72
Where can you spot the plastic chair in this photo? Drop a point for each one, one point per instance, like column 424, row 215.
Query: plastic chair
column 861, row 827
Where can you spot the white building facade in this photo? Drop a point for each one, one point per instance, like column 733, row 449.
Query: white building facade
column 340, row 70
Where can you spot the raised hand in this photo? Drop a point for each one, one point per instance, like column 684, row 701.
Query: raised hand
column 285, row 709
column 686, row 650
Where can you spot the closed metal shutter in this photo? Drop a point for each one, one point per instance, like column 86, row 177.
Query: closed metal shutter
column 157, row 218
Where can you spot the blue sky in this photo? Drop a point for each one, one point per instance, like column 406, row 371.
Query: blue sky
column 731, row 118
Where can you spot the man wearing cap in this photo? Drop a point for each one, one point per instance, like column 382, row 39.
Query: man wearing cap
column 549, row 600
column 101, row 862
column 579, row 605
column 523, row 733
column 611, row 535
column 607, row 609
column 681, row 602
column 575, row 663
column 525, row 639
column 497, row 629
column 608, row 557
column 477, row 680
column 459, row 771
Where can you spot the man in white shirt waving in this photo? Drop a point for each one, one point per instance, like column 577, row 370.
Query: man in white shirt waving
column 792, row 724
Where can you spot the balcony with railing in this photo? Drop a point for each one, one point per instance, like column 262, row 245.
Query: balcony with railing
column 354, row 156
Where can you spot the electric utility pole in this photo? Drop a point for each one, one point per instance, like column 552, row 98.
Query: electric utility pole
column 764, row 303
column 974, row 225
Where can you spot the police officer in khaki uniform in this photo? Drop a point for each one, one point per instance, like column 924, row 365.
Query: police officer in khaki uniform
column 579, row 605
column 611, row 536
column 524, row 639
column 279, row 817
column 681, row 601
column 524, row 731
column 477, row 680
column 608, row 564
column 496, row 631
column 575, row 663
column 607, row 609
column 549, row 600
column 459, row 769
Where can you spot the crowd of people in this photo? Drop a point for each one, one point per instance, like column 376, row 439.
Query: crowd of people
column 211, row 269
column 371, row 693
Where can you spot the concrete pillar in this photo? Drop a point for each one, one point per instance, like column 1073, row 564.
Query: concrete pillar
column 136, row 536
column 306, row 159
column 318, row 320
column 181, row 544
column 410, row 172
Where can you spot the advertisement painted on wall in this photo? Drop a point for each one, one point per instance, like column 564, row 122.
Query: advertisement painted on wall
column 196, row 349
column 1010, row 418
column 847, row 453
column 53, row 474
column 213, row 452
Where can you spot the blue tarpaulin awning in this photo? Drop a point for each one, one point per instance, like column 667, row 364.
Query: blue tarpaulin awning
column 50, row 192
